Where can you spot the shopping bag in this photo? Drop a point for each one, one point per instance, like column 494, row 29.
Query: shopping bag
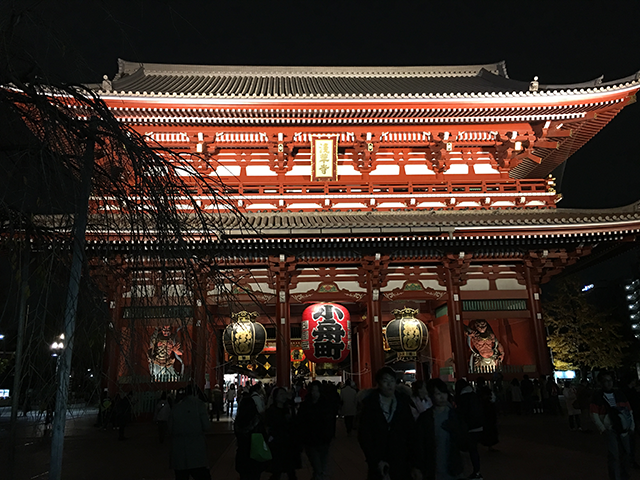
column 259, row 449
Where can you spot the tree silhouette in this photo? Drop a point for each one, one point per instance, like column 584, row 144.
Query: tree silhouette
column 581, row 336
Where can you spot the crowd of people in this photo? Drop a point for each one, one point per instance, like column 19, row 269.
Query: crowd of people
column 417, row 431
column 405, row 431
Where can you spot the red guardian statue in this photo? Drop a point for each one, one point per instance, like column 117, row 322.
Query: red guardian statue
column 486, row 352
column 164, row 350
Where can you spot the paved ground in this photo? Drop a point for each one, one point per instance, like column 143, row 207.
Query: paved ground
column 540, row 447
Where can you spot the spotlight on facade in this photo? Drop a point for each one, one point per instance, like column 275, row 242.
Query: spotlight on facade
column 586, row 288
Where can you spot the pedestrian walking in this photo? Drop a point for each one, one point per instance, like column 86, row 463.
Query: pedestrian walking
column 122, row 412
column 630, row 390
column 161, row 416
column 420, row 400
column 526, row 387
column 470, row 410
column 316, row 426
column 230, row 397
column 188, row 422
column 281, row 426
column 441, row 436
column 583, row 394
column 387, row 431
column 613, row 418
column 248, row 422
column 573, row 408
column 349, row 405
column 553, row 391
column 489, row 436
column 516, row 397
column 217, row 402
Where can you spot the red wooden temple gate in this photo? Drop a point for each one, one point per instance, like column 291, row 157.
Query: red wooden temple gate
column 378, row 188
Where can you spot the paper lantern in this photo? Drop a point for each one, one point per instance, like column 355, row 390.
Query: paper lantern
column 326, row 333
column 244, row 337
column 406, row 334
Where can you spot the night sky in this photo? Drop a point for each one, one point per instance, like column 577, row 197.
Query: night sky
column 559, row 41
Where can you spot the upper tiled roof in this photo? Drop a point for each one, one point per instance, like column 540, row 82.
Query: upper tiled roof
column 334, row 82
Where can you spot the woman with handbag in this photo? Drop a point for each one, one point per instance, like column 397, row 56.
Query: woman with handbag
column 252, row 453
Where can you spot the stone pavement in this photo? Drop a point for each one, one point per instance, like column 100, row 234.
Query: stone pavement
column 539, row 447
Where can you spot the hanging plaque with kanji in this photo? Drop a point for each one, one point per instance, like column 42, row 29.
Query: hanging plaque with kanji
column 324, row 157
column 326, row 333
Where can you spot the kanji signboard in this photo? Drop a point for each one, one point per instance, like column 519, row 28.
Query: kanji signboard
column 326, row 333
column 324, row 157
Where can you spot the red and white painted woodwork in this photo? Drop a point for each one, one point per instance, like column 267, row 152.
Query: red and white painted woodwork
column 456, row 153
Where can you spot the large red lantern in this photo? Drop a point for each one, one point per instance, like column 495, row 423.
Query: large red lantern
column 326, row 333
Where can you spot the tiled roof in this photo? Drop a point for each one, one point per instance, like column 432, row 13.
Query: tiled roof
column 429, row 222
column 334, row 82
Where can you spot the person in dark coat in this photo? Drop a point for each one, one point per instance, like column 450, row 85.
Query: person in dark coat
column 441, row 435
column 188, row 422
column 526, row 387
column 316, row 421
column 490, row 436
column 280, row 423
column 248, row 421
column 387, row 431
column 122, row 413
column 469, row 408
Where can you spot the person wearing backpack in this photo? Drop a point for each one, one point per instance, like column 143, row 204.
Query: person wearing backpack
column 612, row 416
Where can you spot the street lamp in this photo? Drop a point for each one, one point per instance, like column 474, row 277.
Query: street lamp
column 58, row 345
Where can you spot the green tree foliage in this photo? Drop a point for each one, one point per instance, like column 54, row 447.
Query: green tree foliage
column 579, row 334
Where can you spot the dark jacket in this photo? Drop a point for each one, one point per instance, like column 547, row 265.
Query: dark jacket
column 393, row 442
column 248, row 421
column 426, row 443
column 316, row 421
column 283, row 442
column 469, row 408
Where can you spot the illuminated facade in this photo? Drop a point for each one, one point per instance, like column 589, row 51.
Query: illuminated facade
column 381, row 188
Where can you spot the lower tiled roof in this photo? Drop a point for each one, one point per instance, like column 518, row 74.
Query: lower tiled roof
column 427, row 222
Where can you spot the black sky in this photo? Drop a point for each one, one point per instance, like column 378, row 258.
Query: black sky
column 560, row 42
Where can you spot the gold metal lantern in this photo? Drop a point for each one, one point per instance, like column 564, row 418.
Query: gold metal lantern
column 406, row 335
column 244, row 337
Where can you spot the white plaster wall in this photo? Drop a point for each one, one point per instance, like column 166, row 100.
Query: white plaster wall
column 476, row 284
column 509, row 284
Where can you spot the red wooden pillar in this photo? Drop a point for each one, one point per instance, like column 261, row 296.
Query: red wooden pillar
column 456, row 327
column 374, row 319
column 365, row 378
column 434, row 347
column 543, row 363
column 282, row 267
column 112, row 348
column 199, row 344
column 215, row 376
column 283, row 338
column 374, row 269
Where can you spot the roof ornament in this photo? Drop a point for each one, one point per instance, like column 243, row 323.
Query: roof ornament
column 533, row 86
column 106, row 84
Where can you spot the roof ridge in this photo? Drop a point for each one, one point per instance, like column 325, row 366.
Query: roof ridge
column 126, row 68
